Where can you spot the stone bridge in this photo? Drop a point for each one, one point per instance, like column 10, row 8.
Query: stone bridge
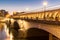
column 45, row 20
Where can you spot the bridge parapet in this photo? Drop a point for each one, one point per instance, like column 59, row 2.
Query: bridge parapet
column 50, row 15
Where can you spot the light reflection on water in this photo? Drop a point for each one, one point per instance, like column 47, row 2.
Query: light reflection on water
column 7, row 32
column 11, row 36
column 4, row 35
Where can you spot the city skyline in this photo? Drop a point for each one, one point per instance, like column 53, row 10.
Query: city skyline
column 22, row 5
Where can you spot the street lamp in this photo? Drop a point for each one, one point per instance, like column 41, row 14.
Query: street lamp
column 44, row 4
column 27, row 9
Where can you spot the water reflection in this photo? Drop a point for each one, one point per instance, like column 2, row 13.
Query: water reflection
column 11, row 36
column 4, row 35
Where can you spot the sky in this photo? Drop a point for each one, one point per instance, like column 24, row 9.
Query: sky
column 22, row 5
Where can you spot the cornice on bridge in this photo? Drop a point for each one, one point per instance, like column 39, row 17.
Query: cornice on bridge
column 49, row 14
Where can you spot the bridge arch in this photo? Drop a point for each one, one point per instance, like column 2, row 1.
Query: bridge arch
column 16, row 25
column 35, row 33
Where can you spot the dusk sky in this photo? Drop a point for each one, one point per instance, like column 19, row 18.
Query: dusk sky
column 21, row 5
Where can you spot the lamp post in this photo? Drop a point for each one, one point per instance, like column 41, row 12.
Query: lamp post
column 27, row 9
column 44, row 4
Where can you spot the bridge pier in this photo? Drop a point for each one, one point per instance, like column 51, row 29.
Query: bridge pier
column 50, row 37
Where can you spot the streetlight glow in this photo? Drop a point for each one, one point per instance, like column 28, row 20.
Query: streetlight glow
column 27, row 9
column 45, row 3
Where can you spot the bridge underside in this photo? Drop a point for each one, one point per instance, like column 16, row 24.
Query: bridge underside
column 37, row 34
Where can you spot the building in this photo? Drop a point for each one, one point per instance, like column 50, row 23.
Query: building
column 3, row 13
